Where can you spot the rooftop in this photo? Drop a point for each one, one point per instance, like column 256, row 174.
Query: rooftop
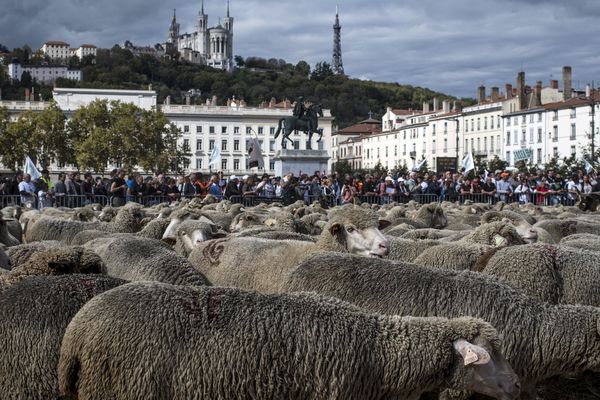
column 57, row 43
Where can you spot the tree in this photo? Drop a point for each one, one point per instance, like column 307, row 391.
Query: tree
column 400, row 170
column 322, row 70
column 49, row 136
column 342, row 168
column 16, row 143
column 26, row 79
column 302, row 69
column 239, row 60
column 496, row 164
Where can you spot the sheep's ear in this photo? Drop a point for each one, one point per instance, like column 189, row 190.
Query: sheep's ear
column 471, row 354
column 248, row 217
column 384, row 223
column 219, row 235
column 499, row 241
column 336, row 228
column 507, row 221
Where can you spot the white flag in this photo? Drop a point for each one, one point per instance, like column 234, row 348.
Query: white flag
column 588, row 166
column 31, row 169
column 420, row 165
column 468, row 163
column 256, row 157
column 215, row 156
column 485, row 174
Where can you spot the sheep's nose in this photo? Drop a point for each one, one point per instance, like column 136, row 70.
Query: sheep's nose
column 384, row 247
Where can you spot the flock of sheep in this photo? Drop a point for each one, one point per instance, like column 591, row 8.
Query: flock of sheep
column 212, row 300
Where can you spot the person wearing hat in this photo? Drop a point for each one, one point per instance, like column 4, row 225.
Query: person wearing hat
column 265, row 188
column 232, row 188
column 388, row 191
column 503, row 187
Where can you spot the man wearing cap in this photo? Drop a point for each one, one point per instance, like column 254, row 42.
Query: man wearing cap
column 503, row 187
column 232, row 188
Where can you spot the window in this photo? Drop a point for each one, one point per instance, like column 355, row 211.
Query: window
column 211, row 129
column 272, row 163
column 472, row 126
column 485, row 123
column 404, row 149
column 466, row 127
column 396, row 150
column 516, row 121
column 573, row 131
column 523, row 119
column 507, row 121
column 198, row 144
column 296, row 145
column 523, row 136
column 261, row 130
column 492, row 122
column 539, row 117
column 491, row 144
column 478, row 124
column 516, row 137
column 530, row 118
column 186, row 129
column 236, row 130
column 433, row 146
column 236, row 164
column 539, row 135
column 198, row 163
column 508, row 138
column 224, row 164
column 478, row 144
column 555, row 116
column 573, row 112
column 498, row 122
column 186, row 144
column 386, row 151
column 498, row 144
column 236, row 145
column 472, row 144
column 211, row 144
column 485, row 144
column 445, row 127
column 223, row 129
column 248, row 130
column 539, row 156
column 445, row 145
column 508, row 157
column 284, row 144
column 555, row 133
column 198, row 129
column 573, row 151
column 271, row 145
column 531, row 134
column 224, row 145
column 555, row 151
column 308, row 144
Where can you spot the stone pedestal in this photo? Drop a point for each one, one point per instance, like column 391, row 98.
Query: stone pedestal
column 300, row 161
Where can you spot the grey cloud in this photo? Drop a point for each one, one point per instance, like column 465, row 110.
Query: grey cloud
column 451, row 46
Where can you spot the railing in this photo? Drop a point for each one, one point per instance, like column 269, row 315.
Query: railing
column 68, row 201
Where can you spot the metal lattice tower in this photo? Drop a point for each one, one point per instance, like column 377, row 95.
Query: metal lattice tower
column 337, row 65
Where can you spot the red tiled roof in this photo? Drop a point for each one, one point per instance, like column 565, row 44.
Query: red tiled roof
column 56, row 43
column 368, row 129
column 88, row 46
column 574, row 102
column 405, row 112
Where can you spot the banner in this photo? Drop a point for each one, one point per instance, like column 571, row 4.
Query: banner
column 468, row 163
column 215, row 156
column 31, row 169
column 588, row 166
column 420, row 165
column 522, row 154
column 256, row 158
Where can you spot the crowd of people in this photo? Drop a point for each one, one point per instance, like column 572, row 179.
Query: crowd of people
column 76, row 189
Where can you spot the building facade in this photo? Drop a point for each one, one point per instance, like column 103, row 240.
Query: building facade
column 61, row 51
column 43, row 73
column 70, row 99
column 212, row 46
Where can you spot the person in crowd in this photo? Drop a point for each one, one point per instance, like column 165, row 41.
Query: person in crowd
column 574, row 188
column 388, row 190
column 87, row 187
column 118, row 189
column 543, row 191
column 248, row 186
column 488, row 189
column 475, row 186
column 171, row 190
column 99, row 189
column 504, row 188
column 587, row 186
column 523, row 189
column 266, row 189
column 348, row 192
column 27, row 191
column 232, row 189
column 214, row 188
column 60, row 190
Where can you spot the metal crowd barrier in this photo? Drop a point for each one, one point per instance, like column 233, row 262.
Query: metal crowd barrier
column 74, row 201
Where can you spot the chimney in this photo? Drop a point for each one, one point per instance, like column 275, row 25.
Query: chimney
column 168, row 100
column 481, row 94
column 508, row 89
column 567, row 85
column 446, row 106
column 425, row 107
column 521, row 90
column 272, row 102
column 538, row 91
column 436, row 104
column 588, row 90
column 495, row 93
column 554, row 84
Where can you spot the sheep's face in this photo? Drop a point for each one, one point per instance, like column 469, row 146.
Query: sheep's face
column 245, row 220
column 524, row 229
column 439, row 219
column 369, row 242
column 483, row 369
column 192, row 238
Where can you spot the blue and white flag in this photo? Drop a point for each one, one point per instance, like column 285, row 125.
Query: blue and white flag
column 420, row 165
column 215, row 156
column 31, row 169
column 588, row 166
column 468, row 163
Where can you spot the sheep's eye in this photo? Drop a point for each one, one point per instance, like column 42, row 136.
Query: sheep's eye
column 350, row 229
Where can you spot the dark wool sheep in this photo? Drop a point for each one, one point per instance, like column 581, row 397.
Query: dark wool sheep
column 5, row 262
column 259, row 264
column 152, row 230
column 559, row 228
column 23, row 252
column 428, row 233
column 55, row 261
column 219, row 343
column 6, row 238
column 456, row 256
column 407, row 250
column 540, row 340
column 139, row 259
column 523, row 223
column 33, row 317
column 555, row 274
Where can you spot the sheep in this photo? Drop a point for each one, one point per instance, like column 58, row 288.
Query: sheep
column 6, row 238
column 428, row 233
column 153, row 230
column 139, row 259
column 258, row 264
column 5, row 263
column 191, row 233
column 398, row 230
column 454, row 256
column 54, row 261
column 427, row 216
column 23, row 252
column 522, row 223
column 555, row 274
column 246, row 220
column 540, row 340
column 406, row 249
column 46, row 228
column 558, row 229
column 290, row 346
column 33, row 317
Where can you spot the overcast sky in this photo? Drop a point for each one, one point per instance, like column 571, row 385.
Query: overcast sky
column 447, row 45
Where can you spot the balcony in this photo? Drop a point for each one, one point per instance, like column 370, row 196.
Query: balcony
column 555, row 139
column 555, row 118
column 413, row 154
column 480, row 153
column 523, row 144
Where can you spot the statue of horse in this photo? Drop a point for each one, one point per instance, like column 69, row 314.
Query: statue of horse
column 308, row 125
